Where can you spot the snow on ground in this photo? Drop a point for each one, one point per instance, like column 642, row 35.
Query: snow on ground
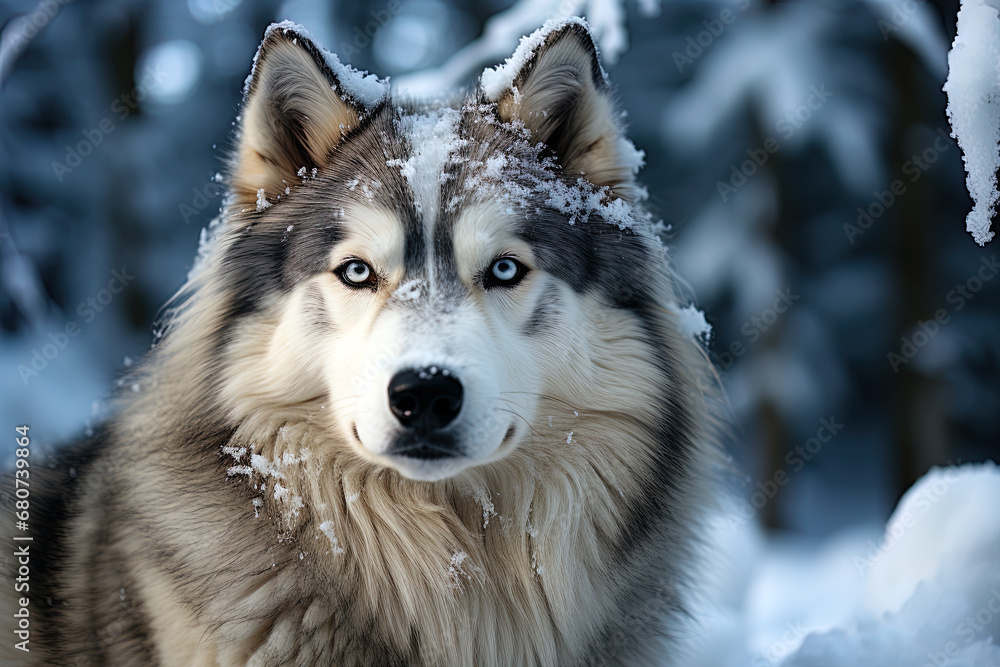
column 925, row 592
column 973, row 89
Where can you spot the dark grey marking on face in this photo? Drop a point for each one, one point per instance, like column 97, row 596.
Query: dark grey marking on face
column 592, row 256
column 454, row 201
column 404, row 204
column 291, row 240
column 319, row 318
column 414, row 254
column 448, row 284
column 542, row 318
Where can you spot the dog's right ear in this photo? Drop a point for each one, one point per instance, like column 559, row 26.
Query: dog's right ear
column 555, row 86
column 299, row 102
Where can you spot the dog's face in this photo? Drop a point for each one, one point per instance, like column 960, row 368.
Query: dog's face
column 424, row 279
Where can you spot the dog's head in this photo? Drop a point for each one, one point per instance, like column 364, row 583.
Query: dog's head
column 432, row 284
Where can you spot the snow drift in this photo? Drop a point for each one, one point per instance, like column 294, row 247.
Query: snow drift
column 926, row 593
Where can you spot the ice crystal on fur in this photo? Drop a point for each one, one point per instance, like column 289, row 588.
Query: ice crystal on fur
column 206, row 244
column 581, row 199
column 495, row 165
column 692, row 322
column 482, row 496
column 262, row 202
column 369, row 189
column 409, row 290
column 327, row 528
column 236, row 452
column 292, row 502
column 455, row 570
column 265, row 467
column 434, row 140
column 577, row 198
column 536, row 569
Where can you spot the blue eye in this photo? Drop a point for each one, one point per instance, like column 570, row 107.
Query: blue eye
column 504, row 269
column 504, row 272
column 355, row 273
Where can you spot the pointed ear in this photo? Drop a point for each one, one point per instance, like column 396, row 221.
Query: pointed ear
column 299, row 102
column 555, row 85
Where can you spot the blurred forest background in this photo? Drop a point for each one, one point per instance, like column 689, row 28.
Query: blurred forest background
column 798, row 152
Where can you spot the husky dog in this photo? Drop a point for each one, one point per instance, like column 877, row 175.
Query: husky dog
column 424, row 399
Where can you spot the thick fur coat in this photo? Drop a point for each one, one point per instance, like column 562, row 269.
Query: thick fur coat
column 260, row 501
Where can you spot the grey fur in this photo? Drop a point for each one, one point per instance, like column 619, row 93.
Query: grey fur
column 156, row 552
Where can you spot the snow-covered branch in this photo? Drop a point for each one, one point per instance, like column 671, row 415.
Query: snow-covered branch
column 973, row 89
column 502, row 32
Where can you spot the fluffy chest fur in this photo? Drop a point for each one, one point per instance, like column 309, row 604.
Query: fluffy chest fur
column 514, row 569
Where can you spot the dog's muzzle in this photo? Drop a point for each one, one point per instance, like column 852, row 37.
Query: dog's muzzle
column 425, row 402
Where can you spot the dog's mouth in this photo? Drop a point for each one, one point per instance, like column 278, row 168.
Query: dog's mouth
column 412, row 447
column 426, row 447
column 443, row 447
column 425, row 452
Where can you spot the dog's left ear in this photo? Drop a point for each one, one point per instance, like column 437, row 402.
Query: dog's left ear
column 299, row 104
column 555, row 85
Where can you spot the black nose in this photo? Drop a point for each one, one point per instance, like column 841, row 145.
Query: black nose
column 426, row 399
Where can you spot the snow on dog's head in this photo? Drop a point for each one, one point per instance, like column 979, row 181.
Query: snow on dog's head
column 436, row 288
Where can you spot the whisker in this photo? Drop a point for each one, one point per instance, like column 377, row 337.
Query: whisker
column 547, row 397
column 531, row 430
column 576, row 408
